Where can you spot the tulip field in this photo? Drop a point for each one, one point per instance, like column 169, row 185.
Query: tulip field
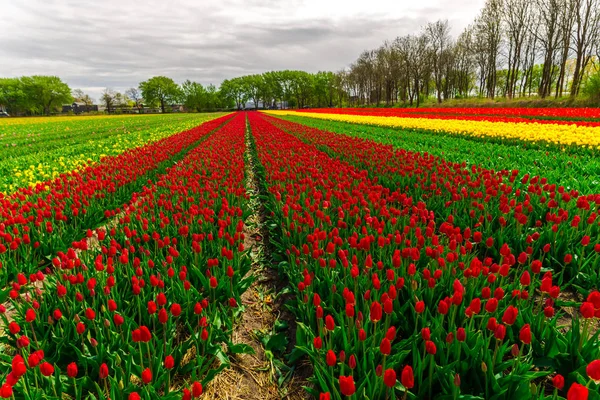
column 33, row 150
column 428, row 253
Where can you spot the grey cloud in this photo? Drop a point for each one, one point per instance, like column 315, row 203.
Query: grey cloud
column 117, row 44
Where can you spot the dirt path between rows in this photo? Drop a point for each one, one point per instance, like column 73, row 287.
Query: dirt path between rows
column 256, row 376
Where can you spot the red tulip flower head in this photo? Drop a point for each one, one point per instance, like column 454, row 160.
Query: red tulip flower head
column 577, row 392
column 347, row 385
column 389, row 378
column 407, row 377
column 593, row 371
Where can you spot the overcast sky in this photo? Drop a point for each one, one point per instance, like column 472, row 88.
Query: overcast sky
column 118, row 43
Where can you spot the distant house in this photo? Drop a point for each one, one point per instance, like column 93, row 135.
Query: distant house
column 249, row 105
column 78, row 108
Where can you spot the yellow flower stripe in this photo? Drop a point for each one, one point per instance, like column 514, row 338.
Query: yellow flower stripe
column 69, row 118
column 534, row 132
column 26, row 170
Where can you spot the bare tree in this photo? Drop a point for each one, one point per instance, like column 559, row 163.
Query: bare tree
column 487, row 44
column 566, row 22
column 108, row 99
column 136, row 96
column 81, row 96
column 585, row 34
column 464, row 63
column 517, row 18
column 549, row 35
column 440, row 41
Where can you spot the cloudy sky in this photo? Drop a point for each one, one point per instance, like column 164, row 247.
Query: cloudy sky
column 118, row 43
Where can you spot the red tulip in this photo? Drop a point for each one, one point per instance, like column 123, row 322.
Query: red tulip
column 461, row 334
column 331, row 359
column 389, row 378
column 317, row 342
column 491, row 305
column 152, row 307
column 18, row 366
column 420, row 307
column 352, row 362
column 510, row 315
column 425, row 334
column 500, row 332
column 103, row 374
column 6, row 391
column 385, row 347
column 169, row 362
column 23, row 342
column 525, row 334
column 593, row 370
column 72, row 370
column 329, row 323
column 558, row 381
column 118, row 320
column 347, row 385
column 391, row 333
column 587, row 310
column 90, row 314
column 33, row 360
column 46, row 369
column 175, row 310
column 443, row 307
column 375, row 312
column 196, row 389
column 577, row 392
column 30, row 315
column 407, row 378
column 430, row 347
column 525, row 279
column 163, row 317
column 362, row 335
column 14, row 328
column 147, row 376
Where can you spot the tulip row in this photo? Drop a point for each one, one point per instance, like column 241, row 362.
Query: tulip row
column 564, row 112
column 576, row 172
column 476, row 114
column 573, row 137
column 148, row 306
column 395, row 300
column 40, row 221
column 527, row 114
column 531, row 217
column 35, row 150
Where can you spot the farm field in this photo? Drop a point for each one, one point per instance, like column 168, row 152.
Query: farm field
column 33, row 150
column 503, row 128
column 430, row 253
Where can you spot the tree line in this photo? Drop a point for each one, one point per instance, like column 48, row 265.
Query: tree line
column 514, row 48
column 34, row 94
column 47, row 94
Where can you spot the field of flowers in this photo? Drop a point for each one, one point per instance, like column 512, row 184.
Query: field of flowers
column 423, row 263
column 33, row 150
column 495, row 128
